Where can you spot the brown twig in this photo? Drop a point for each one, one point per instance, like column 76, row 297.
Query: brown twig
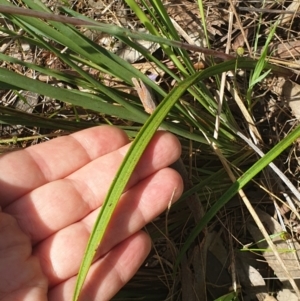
column 114, row 30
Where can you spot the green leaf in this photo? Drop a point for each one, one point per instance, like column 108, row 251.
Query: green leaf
column 236, row 186
column 122, row 177
column 228, row 297
column 86, row 100
column 130, row 161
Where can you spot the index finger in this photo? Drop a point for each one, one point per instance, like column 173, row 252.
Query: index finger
column 25, row 170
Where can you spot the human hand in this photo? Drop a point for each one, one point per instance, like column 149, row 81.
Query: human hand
column 50, row 196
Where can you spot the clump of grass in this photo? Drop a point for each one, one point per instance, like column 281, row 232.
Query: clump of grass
column 95, row 83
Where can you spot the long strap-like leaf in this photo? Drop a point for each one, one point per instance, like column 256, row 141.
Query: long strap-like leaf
column 122, row 177
column 130, row 161
column 132, row 157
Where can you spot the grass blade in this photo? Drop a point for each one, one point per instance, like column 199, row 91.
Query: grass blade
column 239, row 184
column 122, row 177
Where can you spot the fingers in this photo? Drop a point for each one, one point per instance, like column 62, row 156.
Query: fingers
column 138, row 206
column 30, row 168
column 21, row 276
column 58, row 204
column 108, row 274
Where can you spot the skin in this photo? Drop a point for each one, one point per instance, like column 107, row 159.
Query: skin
column 50, row 195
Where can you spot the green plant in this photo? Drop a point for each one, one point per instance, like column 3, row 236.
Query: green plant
column 193, row 121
